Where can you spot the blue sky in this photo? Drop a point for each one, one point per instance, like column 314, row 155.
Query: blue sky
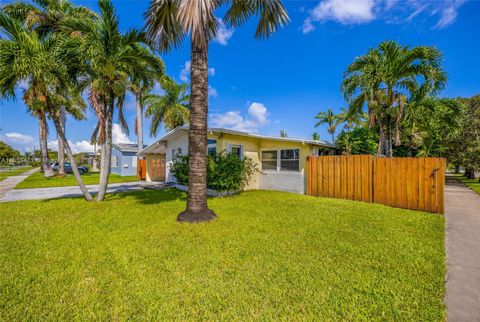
column 264, row 86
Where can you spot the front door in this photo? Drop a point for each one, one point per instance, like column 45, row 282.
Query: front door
column 157, row 170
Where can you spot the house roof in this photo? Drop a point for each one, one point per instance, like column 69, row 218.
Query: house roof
column 177, row 130
column 126, row 147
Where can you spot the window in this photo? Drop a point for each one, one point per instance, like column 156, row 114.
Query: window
column 281, row 160
column 134, row 162
column 114, row 163
column 289, row 160
column 236, row 150
column 176, row 152
column 269, row 160
column 212, row 146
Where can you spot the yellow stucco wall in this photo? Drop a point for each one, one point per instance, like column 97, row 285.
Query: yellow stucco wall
column 254, row 146
column 149, row 177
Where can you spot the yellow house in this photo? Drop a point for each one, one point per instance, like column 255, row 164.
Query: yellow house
column 280, row 161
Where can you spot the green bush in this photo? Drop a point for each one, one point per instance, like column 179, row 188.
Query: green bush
column 225, row 171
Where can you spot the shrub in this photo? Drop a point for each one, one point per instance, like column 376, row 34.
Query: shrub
column 225, row 171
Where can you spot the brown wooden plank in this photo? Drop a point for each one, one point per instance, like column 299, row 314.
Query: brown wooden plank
column 318, row 183
column 365, row 178
column 350, row 182
column 428, row 178
column 308, row 176
column 325, row 176
column 370, row 178
column 336, row 171
column 393, row 182
column 380, row 181
column 331, row 176
column 416, row 169
column 421, row 184
column 441, row 186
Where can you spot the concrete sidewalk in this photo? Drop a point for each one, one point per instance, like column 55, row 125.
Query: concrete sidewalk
column 462, row 212
column 9, row 183
column 74, row 191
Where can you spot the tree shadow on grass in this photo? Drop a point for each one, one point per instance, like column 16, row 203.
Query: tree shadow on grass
column 150, row 197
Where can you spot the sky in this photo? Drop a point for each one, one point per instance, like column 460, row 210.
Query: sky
column 264, row 86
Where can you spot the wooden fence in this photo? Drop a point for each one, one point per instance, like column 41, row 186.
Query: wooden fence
column 412, row 183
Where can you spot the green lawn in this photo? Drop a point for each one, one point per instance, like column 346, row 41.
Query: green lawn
column 473, row 184
column 37, row 180
column 14, row 171
column 268, row 256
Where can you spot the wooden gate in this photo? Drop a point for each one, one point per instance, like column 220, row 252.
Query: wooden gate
column 413, row 183
column 142, row 169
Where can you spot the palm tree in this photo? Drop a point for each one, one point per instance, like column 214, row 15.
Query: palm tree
column 24, row 57
column 315, row 136
column 171, row 109
column 351, row 120
column 168, row 22
column 112, row 59
column 328, row 118
column 44, row 17
column 141, row 86
column 385, row 79
column 283, row 133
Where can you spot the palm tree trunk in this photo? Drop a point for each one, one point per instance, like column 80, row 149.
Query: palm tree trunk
column 389, row 137
column 381, row 139
column 61, row 146
column 42, row 129
column 106, row 153
column 139, row 121
column 61, row 134
column 197, row 209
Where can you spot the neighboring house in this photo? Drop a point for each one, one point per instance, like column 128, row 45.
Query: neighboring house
column 124, row 159
column 280, row 161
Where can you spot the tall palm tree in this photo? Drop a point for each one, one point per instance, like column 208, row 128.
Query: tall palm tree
column 24, row 57
column 328, row 118
column 141, row 86
column 111, row 59
column 171, row 109
column 385, row 79
column 350, row 120
column 168, row 22
column 44, row 17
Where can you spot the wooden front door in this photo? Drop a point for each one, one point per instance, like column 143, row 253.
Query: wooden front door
column 157, row 170
column 142, row 169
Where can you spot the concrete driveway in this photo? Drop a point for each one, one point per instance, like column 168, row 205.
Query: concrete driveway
column 462, row 212
column 74, row 191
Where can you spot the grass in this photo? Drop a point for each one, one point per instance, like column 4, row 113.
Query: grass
column 473, row 184
column 14, row 171
column 268, row 256
column 37, row 180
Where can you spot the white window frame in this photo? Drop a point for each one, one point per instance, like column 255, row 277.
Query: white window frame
column 242, row 151
column 279, row 159
column 134, row 161
column 212, row 145
column 114, row 161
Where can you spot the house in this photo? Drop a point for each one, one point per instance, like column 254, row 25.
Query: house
column 124, row 159
column 281, row 161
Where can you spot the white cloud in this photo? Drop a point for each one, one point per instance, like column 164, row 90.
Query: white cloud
column 185, row 71
column 449, row 13
column 257, row 117
column 118, row 136
column 212, row 91
column 19, row 141
column 344, row 11
column 349, row 12
column 223, row 33
column 77, row 147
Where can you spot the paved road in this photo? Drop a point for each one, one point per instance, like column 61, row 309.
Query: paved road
column 9, row 183
column 463, row 252
column 73, row 191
